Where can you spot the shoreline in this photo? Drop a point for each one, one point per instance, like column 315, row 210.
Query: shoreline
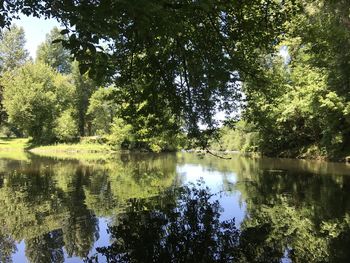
column 21, row 144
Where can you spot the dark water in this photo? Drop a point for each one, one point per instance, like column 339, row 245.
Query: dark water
column 55, row 210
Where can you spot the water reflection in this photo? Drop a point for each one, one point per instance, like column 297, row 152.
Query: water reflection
column 185, row 228
column 53, row 205
column 178, row 226
column 308, row 214
column 55, row 210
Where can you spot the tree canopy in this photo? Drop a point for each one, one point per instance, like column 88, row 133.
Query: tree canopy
column 54, row 54
column 34, row 96
column 12, row 51
column 12, row 55
column 175, row 62
column 301, row 109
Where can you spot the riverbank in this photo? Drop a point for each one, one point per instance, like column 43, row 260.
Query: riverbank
column 308, row 154
column 13, row 144
column 73, row 148
column 23, row 144
column 17, row 145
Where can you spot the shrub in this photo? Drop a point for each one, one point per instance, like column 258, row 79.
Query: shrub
column 120, row 132
column 6, row 131
column 66, row 128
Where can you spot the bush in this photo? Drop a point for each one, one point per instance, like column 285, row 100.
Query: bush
column 66, row 128
column 93, row 140
column 241, row 137
column 120, row 132
column 6, row 131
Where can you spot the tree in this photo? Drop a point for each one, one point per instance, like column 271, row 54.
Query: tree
column 85, row 87
column 303, row 107
column 189, row 66
column 54, row 54
column 12, row 55
column 66, row 128
column 326, row 35
column 102, row 110
column 12, row 51
column 34, row 96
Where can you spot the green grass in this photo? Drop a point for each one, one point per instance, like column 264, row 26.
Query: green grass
column 72, row 148
column 84, row 157
column 13, row 144
column 14, row 148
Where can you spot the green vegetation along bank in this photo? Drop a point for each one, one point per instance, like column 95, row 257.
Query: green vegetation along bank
column 301, row 106
column 13, row 145
column 51, row 102
column 158, row 85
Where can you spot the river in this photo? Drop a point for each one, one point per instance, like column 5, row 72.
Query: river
column 172, row 208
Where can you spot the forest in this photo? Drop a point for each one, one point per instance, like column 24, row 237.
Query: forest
column 155, row 75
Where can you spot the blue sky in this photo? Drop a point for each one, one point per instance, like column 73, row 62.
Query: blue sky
column 35, row 30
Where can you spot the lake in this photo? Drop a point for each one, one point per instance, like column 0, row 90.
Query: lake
column 180, row 207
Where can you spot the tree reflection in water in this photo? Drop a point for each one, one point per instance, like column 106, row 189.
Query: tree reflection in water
column 7, row 246
column 54, row 208
column 186, row 227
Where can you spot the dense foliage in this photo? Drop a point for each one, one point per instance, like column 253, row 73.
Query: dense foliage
column 302, row 109
column 12, row 55
column 34, row 96
column 12, row 52
column 182, row 68
column 167, row 68
column 54, row 54
column 50, row 100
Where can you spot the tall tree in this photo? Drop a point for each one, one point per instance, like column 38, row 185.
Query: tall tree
column 12, row 51
column 85, row 87
column 12, row 55
column 53, row 53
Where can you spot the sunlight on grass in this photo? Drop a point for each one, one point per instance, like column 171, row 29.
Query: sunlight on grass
column 73, row 148
column 9, row 144
column 81, row 156
column 14, row 148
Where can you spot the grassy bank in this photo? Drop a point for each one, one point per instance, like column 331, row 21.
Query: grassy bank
column 72, row 148
column 17, row 145
column 13, row 148
column 13, row 144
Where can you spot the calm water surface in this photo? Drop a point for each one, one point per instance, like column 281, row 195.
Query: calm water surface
column 61, row 210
